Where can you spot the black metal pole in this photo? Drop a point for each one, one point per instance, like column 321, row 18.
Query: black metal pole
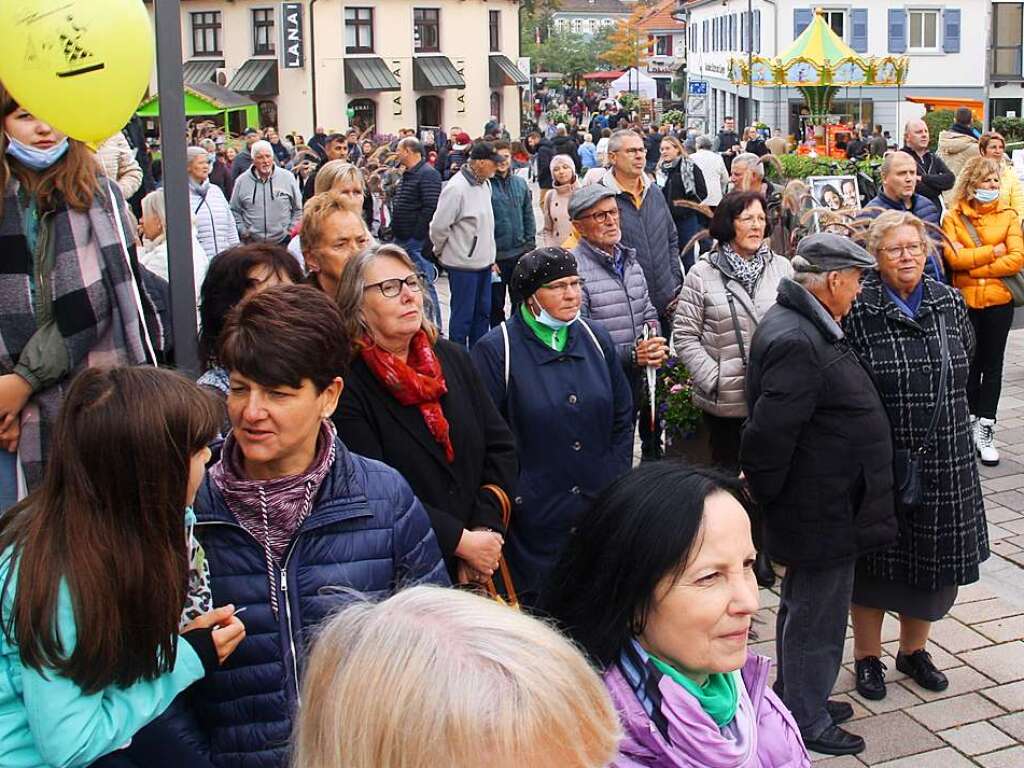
column 179, row 218
column 312, row 61
column 750, row 63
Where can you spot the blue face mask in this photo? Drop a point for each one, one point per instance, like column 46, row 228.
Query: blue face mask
column 36, row 159
column 545, row 319
column 986, row 195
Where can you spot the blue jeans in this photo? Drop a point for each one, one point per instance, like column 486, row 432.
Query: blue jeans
column 471, row 305
column 8, row 480
column 414, row 248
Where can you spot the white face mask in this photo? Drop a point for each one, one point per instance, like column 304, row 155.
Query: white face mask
column 548, row 321
column 36, row 159
column 986, row 195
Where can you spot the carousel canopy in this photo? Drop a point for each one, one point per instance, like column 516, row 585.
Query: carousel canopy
column 818, row 57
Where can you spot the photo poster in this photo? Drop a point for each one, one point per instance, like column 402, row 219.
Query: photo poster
column 835, row 193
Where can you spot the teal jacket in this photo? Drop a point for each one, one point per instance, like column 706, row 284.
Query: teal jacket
column 515, row 231
column 48, row 721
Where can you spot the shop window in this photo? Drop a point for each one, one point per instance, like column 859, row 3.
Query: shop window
column 268, row 114
column 365, row 116
column 496, row 105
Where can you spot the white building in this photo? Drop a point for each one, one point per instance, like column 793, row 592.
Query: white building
column 946, row 45
column 665, row 38
column 587, row 17
column 1006, row 59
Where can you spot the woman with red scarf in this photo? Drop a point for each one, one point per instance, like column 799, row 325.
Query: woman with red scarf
column 415, row 402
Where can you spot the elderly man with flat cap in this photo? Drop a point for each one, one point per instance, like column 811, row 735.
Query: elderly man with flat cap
column 817, row 453
column 616, row 295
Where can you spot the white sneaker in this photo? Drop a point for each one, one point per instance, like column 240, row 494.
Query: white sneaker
column 985, row 442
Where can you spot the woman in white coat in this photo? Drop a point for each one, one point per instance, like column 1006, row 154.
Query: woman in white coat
column 153, row 255
column 214, row 223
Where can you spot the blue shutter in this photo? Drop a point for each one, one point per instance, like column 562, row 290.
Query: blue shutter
column 897, row 30
column 757, row 31
column 951, row 30
column 859, row 30
column 801, row 21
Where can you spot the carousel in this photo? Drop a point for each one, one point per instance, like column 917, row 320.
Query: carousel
column 818, row 64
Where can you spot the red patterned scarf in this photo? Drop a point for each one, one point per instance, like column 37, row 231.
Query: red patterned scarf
column 418, row 380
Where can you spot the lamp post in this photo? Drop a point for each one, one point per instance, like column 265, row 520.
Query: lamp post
column 750, row 61
column 682, row 15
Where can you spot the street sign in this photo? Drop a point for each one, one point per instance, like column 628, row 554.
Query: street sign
column 697, row 105
column 698, row 87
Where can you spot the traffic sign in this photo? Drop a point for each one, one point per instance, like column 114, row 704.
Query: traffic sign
column 698, row 87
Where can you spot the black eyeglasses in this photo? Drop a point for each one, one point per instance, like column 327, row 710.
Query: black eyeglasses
column 389, row 289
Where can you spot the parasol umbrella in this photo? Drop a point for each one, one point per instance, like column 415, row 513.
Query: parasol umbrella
column 652, row 381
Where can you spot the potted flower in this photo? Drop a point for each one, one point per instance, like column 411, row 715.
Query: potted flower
column 680, row 419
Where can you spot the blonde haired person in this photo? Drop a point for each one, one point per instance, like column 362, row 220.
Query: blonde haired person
column 557, row 226
column 332, row 233
column 153, row 254
column 1011, row 191
column 987, row 245
column 465, row 682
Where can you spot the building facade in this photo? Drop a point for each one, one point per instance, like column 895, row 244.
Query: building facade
column 1006, row 60
column 360, row 63
column 665, row 38
column 588, row 17
column 946, row 45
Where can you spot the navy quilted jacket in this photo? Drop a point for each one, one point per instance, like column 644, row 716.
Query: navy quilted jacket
column 367, row 533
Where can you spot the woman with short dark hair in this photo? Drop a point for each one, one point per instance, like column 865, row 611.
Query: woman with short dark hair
column 293, row 523
column 665, row 614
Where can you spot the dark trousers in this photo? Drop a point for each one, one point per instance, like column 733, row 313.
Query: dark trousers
column 724, row 434
column 155, row 746
column 686, row 228
column 498, row 291
column 471, row 305
column 985, row 382
column 809, row 634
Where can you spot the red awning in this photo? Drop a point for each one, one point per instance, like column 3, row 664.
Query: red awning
column 613, row 75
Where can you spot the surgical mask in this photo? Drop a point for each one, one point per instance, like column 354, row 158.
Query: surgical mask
column 986, row 195
column 36, row 159
column 545, row 319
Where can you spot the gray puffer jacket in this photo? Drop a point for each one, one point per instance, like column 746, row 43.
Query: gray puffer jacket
column 714, row 314
column 621, row 304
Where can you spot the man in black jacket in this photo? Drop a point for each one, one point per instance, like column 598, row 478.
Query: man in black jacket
column 933, row 177
column 413, row 208
column 817, row 454
column 564, row 144
column 728, row 141
column 335, row 148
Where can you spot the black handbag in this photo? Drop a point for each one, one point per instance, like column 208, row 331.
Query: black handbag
column 906, row 462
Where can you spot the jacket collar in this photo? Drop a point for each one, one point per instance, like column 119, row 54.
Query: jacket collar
column 542, row 353
column 609, row 181
column 794, row 296
column 718, row 260
column 603, row 257
column 470, row 176
column 874, row 296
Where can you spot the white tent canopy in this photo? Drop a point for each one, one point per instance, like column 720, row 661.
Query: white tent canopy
column 634, row 81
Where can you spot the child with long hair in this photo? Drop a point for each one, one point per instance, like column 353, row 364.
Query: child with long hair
column 96, row 568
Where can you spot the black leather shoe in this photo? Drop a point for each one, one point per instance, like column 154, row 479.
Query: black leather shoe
column 870, row 673
column 763, row 571
column 920, row 667
column 839, row 711
column 835, row 741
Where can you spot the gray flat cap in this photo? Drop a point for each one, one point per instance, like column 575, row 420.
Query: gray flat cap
column 827, row 252
column 585, row 197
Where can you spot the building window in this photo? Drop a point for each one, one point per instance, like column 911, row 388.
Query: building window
column 426, row 30
column 577, row 25
column 268, row 114
column 496, row 105
column 924, row 30
column 663, row 45
column 263, row 31
column 836, row 20
column 359, row 30
column 365, row 114
column 1007, row 42
column 206, row 33
column 494, row 29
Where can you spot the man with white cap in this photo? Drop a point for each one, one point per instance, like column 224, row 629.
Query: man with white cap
column 817, row 454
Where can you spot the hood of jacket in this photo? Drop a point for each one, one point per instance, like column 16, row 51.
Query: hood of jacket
column 954, row 142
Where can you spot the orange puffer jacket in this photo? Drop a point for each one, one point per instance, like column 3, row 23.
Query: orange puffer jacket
column 977, row 270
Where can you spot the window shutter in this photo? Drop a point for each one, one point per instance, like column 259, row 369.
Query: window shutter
column 859, row 30
column 801, row 21
column 951, row 30
column 757, row 31
column 897, row 30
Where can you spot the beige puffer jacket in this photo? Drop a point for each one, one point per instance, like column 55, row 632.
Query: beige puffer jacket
column 955, row 149
column 704, row 333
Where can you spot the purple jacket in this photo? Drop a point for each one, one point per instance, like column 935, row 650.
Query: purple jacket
column 696, row 741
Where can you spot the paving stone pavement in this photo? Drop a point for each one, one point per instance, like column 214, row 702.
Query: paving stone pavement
column 979, row 719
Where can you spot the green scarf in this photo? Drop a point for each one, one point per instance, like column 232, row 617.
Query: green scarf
column 718, row 697
column 548, row 336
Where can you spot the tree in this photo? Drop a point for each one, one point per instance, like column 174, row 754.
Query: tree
column 566, row 52
column 628, row 46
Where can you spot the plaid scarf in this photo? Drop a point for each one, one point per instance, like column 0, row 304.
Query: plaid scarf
column 92, row 290
column 417, row 381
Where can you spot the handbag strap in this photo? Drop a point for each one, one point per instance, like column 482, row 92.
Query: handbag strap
column 943, row 376
column 971, row 230
column 511, row 598
column 736, row 326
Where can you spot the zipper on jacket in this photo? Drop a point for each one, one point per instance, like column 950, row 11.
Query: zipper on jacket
column 288, row 619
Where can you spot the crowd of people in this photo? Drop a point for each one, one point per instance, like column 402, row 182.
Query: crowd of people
column 256, row 568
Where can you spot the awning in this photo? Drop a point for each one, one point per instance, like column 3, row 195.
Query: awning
column 614, row 74
column 257, row 77
column 369, row 75
column 206, row 99
column 976, row 107
column 504, row 72
column 201, row 71
column 433, row 73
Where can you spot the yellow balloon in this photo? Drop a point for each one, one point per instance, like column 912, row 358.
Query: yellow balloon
column 80, row 65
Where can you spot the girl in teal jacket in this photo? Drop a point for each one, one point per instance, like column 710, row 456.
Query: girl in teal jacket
column 95, row 571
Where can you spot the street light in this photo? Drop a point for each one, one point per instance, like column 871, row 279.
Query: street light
column 682, row 15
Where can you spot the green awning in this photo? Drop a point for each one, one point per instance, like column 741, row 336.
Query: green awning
column 504, row 72
column 434, row 73
column 369, row 75
column 205, row 99
column 197, row 71
column 257, row 77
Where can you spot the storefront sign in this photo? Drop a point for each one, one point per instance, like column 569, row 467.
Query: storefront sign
column 293, row 41
column 395, row 65
column 663, row 64
column 460, row 67
column 716, row 68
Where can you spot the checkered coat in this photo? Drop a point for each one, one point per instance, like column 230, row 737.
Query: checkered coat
column 943, row 544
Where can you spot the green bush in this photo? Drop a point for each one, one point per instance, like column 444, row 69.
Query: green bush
column 672, row 117
column 802, row 166
column 1012, row 128
column 629, row 101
